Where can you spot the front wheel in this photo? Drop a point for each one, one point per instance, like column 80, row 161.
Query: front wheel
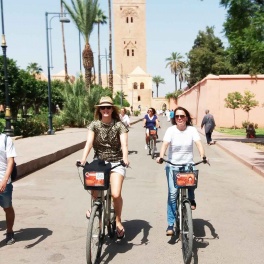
column 151, row 146
column 187, row 233
column 95, row 236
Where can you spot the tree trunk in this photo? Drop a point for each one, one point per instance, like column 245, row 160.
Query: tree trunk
column 175, row 82
column 157, row 90
column 99, row 61
column 88, row 64
column 110, row 48
column 64, row 48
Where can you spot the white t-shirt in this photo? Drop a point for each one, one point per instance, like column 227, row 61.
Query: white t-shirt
column 181, row 144
column 125, row 119
column 5, row 152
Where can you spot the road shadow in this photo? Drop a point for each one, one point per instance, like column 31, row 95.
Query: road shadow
column 29, row 234
column 201, row 238
column 2, row 225
column 130, row 152
column 133, row 229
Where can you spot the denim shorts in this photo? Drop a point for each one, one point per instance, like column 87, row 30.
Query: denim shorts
column 6, row 196
column 120, row 169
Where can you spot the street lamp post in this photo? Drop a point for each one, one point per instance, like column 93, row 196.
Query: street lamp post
column 106, row 59
column 8, row 130
column 62, row 20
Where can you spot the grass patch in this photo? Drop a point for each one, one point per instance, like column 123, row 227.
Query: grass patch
column 239, row 131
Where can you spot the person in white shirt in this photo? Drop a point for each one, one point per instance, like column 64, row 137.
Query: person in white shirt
column 7, row 154
column 179, row 138
column 124, row 117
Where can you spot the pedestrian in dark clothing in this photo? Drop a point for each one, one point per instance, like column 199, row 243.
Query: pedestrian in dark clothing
column 209, row 125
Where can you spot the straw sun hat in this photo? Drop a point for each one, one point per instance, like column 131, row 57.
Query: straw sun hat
column 105, row 101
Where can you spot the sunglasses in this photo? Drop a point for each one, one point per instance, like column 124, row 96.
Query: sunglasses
column 150, row 111
column 180, row 116
column 105, row 107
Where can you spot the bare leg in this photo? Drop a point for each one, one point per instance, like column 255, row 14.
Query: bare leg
column 10, row 219
column 116, row 181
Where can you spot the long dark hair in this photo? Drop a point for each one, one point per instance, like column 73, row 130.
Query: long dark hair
column 189, row 119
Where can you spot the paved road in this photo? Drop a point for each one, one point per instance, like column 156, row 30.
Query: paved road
column 51, row 203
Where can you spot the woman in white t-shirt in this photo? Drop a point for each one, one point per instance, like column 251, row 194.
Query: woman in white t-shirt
column 179, row 138
column 124, row 117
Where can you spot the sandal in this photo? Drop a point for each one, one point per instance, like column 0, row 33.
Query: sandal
column 88, row 214
column 193, row 204
column 120, row 233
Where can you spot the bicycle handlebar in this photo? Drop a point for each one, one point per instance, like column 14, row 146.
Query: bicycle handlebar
column 78, row 164
column 205, row 161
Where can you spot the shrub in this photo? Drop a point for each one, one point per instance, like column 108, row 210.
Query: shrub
column 136, row 112
column 245, row 124
column 33, row 126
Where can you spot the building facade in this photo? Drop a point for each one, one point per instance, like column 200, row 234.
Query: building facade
column 130, row 55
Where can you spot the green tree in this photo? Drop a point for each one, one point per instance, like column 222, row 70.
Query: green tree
column 100, row 19
column 75, row 105
column 233, row 101
column 34, row 69
column 207, row 56
column 83, row 14
column 174, row 62
column 117, row 99
column 244, row 29
column 248, row 102
column 158, row 80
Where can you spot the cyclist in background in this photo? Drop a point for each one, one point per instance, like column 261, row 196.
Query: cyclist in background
column 179, row 138
column 150, row 122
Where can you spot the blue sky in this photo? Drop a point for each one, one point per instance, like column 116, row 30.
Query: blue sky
column 172, row 26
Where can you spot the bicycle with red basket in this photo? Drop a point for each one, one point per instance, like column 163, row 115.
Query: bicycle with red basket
column 185, row 177
column 96, row 179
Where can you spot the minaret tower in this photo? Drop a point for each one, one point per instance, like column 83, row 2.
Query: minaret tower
column 129, row 35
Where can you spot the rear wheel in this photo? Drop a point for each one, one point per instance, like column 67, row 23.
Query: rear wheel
column 187, row 233
column 95, row 235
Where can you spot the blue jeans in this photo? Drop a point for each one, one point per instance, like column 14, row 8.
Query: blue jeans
column 172, row 195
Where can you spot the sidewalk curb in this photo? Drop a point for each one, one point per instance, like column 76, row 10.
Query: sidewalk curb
column 245, row 162
column 236, row 156
column 41, row 162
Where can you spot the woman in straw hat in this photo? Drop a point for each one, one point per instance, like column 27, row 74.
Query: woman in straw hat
column 109, row 138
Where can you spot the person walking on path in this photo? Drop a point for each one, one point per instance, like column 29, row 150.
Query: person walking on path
column 7, row 154
column 209, row 124
column 109, row 138
column 172, row 116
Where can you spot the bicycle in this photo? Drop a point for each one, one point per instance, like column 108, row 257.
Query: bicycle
column 152, row 141
column 102, row 212
column 185, row 179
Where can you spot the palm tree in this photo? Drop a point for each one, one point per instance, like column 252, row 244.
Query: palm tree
column 100, row 19
column 110, row 49
column 33, row 68
column 83, row 13
column 63, row 46
column 158, row 80
column 183, row 73
column 174, row 61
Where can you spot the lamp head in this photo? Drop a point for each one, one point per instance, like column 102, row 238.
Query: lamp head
column 65, row 20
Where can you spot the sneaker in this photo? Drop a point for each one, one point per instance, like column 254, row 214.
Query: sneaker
column 10, row 238
column 146, row 147
column 170, row 231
